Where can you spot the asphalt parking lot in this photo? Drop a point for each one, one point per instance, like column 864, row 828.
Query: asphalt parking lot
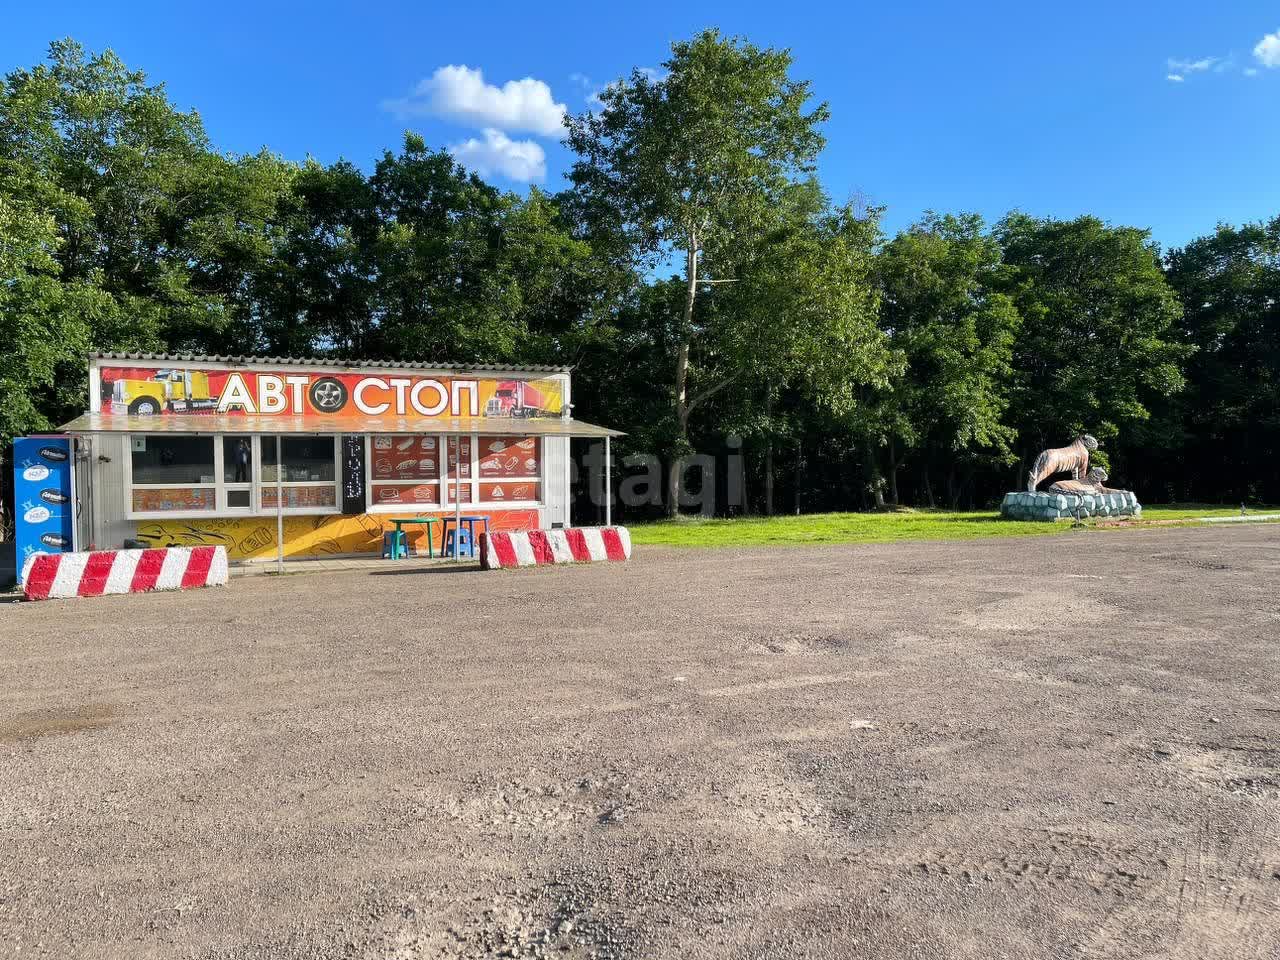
column 1033, row 747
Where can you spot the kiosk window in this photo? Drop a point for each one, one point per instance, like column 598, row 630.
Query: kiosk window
column 309, row 476
column 160, row 459
column 237, row 459
column 175, row 474
column 306, row 459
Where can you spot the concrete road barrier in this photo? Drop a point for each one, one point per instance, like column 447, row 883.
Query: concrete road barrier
column 49, row 576
column 530, row 548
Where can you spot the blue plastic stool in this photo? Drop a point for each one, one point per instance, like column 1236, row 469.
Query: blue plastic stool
column 464, row 542
column 393, row 545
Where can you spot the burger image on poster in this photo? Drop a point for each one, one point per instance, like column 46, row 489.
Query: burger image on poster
column 530, row 464
column 35, row 473
column 37, row 515
column 428, row 443
column 426, row 466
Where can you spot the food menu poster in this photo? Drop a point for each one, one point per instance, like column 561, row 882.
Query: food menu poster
column 174, row 499
column 508, row 457
column 320, row 496
column 508, row 492
column 407, row 493
column 406, row 458
column 466, row 457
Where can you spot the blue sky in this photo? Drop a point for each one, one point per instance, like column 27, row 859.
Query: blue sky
column 1055, row 109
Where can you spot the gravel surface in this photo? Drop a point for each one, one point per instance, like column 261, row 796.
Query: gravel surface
column 1042, row 747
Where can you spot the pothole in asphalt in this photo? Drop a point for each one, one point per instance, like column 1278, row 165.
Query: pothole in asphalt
column 33, row 724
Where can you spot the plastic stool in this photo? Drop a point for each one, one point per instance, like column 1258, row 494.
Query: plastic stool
column 393, row 545
column 464, row 542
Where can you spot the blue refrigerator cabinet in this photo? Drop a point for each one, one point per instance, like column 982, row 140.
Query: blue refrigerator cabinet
column 43, row 497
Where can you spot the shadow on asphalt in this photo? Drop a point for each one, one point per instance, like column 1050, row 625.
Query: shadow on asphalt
column 417, row 571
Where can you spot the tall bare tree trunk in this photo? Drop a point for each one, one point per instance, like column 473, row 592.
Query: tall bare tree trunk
column 768, row 453
column 682, row 376
column 893, row 472
column 799, row 473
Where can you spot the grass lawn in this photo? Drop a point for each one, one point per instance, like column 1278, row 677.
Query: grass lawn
column 885, row 527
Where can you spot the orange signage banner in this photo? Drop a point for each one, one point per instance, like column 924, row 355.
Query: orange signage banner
column 155, row 391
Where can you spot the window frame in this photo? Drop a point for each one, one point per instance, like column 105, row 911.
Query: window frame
column 130, row 486
column 221, row 486
column 264, row 484
column 443, row 481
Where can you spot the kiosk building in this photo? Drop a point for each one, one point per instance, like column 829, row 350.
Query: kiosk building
column 284, row 457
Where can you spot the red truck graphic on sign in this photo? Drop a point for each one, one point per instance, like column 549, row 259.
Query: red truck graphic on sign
column 517, row 398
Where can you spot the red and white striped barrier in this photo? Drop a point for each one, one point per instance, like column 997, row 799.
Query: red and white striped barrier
column 530, row 548
column 48, row 576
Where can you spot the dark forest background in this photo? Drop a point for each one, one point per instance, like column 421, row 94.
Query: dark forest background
column 708, row 293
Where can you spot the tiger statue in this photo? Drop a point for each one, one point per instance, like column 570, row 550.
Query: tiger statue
column 1095, row 482
column 1073, row 460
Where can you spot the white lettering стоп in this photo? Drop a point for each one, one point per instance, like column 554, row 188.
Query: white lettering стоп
column 369, row 409
column 398, row 384
column 474, row 388
column 429, row 410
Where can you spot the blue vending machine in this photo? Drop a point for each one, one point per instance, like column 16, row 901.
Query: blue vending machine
column 43, row 497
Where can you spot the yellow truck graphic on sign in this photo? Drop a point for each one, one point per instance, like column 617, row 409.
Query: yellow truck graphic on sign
column 175, row 391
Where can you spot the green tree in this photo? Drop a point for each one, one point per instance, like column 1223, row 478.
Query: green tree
column 800, row 324
column 166, row 230
column 692, row 163
column 1224, row 435
column 1099, row 339
column 43, row 321
column 942, row 308
column 424, row 259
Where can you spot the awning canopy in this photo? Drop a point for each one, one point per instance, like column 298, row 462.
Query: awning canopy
column 208, row 424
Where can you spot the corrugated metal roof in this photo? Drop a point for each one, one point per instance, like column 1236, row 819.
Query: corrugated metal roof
column 204, row 423
column 341, row 363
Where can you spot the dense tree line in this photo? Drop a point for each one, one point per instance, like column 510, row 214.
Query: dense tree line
column 706, row 289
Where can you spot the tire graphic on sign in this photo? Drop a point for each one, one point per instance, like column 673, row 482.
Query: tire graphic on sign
column 328, row 395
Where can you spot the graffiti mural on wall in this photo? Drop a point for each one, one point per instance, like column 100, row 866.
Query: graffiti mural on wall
column 254, row 538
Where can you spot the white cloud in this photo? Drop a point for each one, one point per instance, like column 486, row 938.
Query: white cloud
column 521, row 160
column 1176, row 77
column 1250, row 71
column 460, row 92
column 1183, row 67
column 1267, row 51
